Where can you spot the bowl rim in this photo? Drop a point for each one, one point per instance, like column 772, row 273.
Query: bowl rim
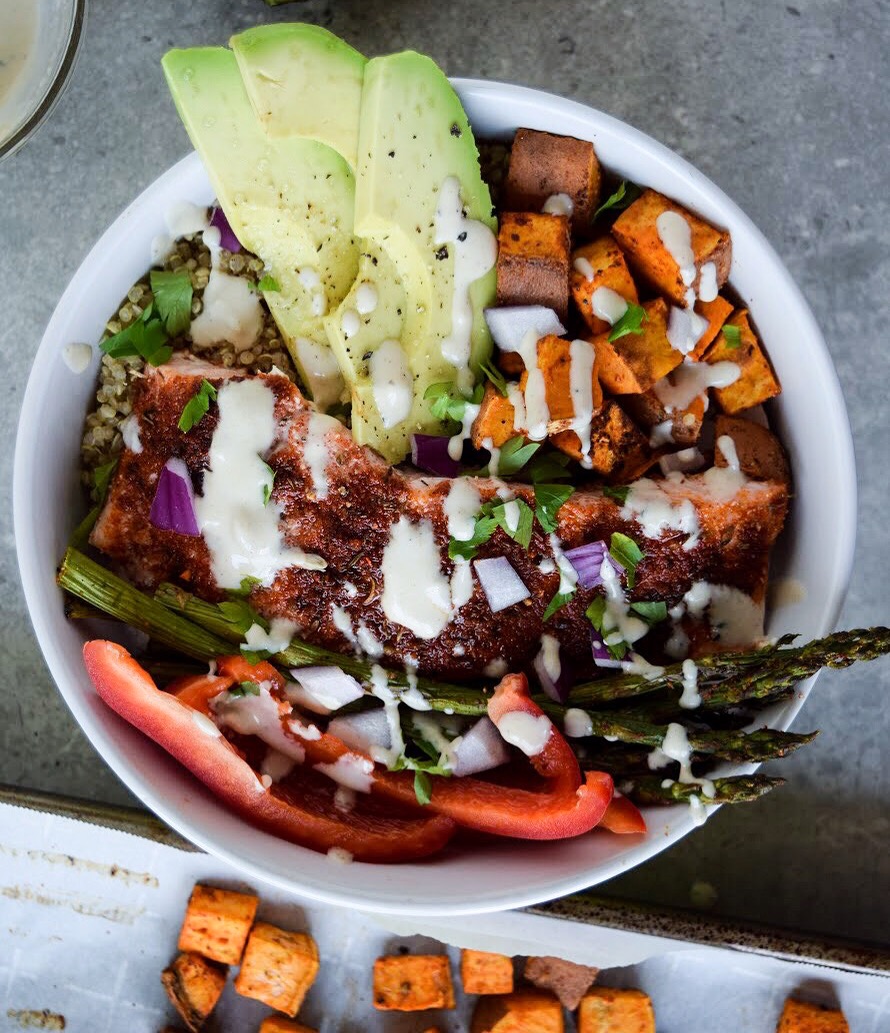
column 56, row 87
column 113, row 753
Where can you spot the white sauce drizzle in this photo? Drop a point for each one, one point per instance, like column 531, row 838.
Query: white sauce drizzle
column 734, row 617
column 391, row 383
column 366, row 299
column 662, row 434
column 690, row 699
column 315, row 450
column 343, row 624
column 494, row 460
column 380, row 688
column 707, row 282
column 461, row 506
column 462, row 587
column 339, row 855
column 276, row 639
column 568, row 576
column 656, row 512
column 582, row 265
column 582, row 358
column 536, row 410
column 183, row 218
column 456, row 442
column 311, row 282
column 676, row 235
column 350, row 770
column 517, row 399
column 416, row 593
column 344, row 799
column 350, row 324
column 240, row 530
column 685, row 328
column 607, row 304
column 496, row 668
column 676, row 747
column 130, row 433
column 474, row 248
column 275, row 766
column 77, row 357
column 727, row 446
column 577, row 724
column 527, row 732
column 367, row 641
column 232, row 312
column 681, row 387
column 548, row 657
column 559, row 204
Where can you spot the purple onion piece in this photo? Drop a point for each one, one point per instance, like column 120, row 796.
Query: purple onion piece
column 588, row 563
column 430, row 452
column 227, row 238
column 557, row 690
column 601, row 655
column 173, row 507
column 481, row 749
column 501, row 584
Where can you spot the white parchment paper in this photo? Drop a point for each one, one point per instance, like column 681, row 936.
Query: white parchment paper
column 89, row 917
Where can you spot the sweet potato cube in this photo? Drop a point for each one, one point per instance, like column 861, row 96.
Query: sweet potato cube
column 568, row 980
column 542, row 164
column 484, row 973
column 757, row 382
column 604, row 1010
column 759, row 452
column 279, row 1024
column 526, row 1011
column 555, row 363
column 636, row 231
column 194, row 985
column 495, row 419
column 278, row 968
column 615, row 441
column 598, row 264
column 634, row 362
column 649, row 412
column 533, row 261
column 217, row 922
column 413, row 982
column 716, row 312
column 800, row 1017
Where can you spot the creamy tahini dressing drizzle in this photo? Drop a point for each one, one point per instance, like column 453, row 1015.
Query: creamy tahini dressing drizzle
column 676, row 235
column 77, row 357
column 350, row 323
column 734, row 617
column 310, row 281
column 130, row 433
column 685, row 329
column 606, row 304
column 276, row 639
column 536, row 411
column 559, row 204
column 461, row 506
column 315, row 451
column 577, row 724
column 474, row 249
column 416, row 593
column 582, row 357
column 232, row 312
column 681, row 387
column 517, row 399
column 656, row 512
column 676, row 747
column 707, row 282
column 527, row 732
column 366, row 299
column 456, row 442
column 582, row 265
column 240, row 530
column 391, row 383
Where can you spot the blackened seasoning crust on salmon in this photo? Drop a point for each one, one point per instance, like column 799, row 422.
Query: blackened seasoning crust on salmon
column 351, row 527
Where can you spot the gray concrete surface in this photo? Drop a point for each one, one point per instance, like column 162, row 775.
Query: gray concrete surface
column 784, row 106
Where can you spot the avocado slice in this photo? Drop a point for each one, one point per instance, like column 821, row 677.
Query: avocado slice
column 417, row 177
column 290, row 200
column 303, row 81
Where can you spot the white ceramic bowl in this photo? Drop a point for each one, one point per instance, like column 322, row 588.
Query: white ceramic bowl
column 816, row 549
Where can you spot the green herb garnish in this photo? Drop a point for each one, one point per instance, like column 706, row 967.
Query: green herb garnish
column 652, row 613
column 732, row 335
column 618, row 494
column 557, row 603
column 145, row 337
column 255, row 656
column 522, row 534
column 596, row 614
column 423, row 787
column 102, row 478
column 495, row 377
column 548, row 466
column 268, row 283
column 245, row 688
column 196, row 407
column 630, row 323
column 623, row 196
column 241, row 614
column 173, row 298
column 268, row 485
column 514, row 454
column 491, row 516
column 549, row 499
column 447, row 403
column 624, row 550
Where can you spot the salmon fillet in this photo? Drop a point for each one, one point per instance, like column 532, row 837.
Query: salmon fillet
column 351, row 526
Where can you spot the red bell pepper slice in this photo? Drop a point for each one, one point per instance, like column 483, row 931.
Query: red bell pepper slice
column 566, row 806
column 623, row 817
column 301, row 811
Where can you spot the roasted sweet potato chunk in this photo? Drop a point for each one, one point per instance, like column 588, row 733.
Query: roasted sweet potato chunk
column 555, row 357
column 615, row 442
column 757, row 382
column 598, row 264
column 716, row 312
column 759, row 452
column 193, row 985
column 484, row 973
column 495, row 420
column 634, row 362
column 800, row 1017
column 413, row 982
column 542, row 164
column 636, row 230
column 526, row 1011
column 279, row 1024
column 533, row 261
column 217, row 922
column 649, row 412
column 278, row 968
column 604, row 1010
column 566, row 979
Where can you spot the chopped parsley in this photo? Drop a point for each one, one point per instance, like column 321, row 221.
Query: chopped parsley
column 447, row 403
column 548, row 466
column 268, row 283
column 618, row 494
column 196, row 407
column 245, row 688
column 495, row 377
column 651, row 612
column 557, row 603
column 102, row 478
column 268, row 485
column 514, row 454
column 549, row 499
column 596, row 613
column 173, row 298
column 732, row 335
column 241, row 615
column 624, row 550
column 522, row 533
column 625, row 195
column 146, row 337
column 255, row 656
column 493, row 515
column 630, row 323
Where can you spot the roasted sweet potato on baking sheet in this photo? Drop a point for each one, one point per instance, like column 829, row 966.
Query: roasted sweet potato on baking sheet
column 543, row 165
column 600, row 263
column 534, row 251
column 278, row 968
column 485, row 973
column 800, row 1017
column 194, row 986
column 605, row 1010
column 525, row 1011
column 637, row 231
column 279, row 1024
column 413, row 982
column 757, row 382
column 217, row 923
column 568, row 980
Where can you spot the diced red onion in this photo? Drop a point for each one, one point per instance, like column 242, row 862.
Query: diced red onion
column 430, row 452
column 557, row 690
column 601, row 655
column 323, row 689
column 509, row 324
column 173, row 507
column 686, row 461
column 227, row 238
column 362, row 731
column 501, row 584
column 481, row 749
column 588, row 562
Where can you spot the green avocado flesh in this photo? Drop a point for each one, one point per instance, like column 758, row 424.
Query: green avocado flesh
column 325, row 161
column 288, row 200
